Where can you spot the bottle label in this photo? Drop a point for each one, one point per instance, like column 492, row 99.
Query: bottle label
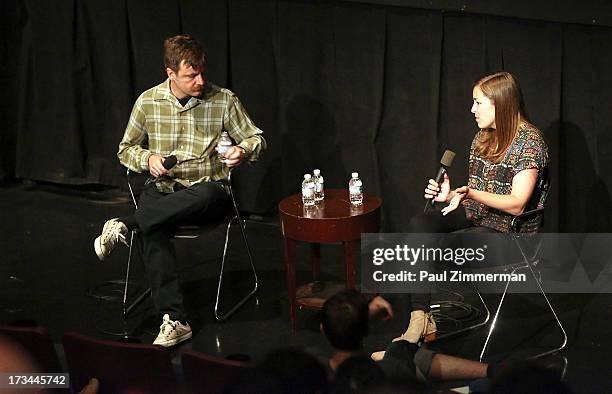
column 308, row 191
column 318, row 187
column 355, row 189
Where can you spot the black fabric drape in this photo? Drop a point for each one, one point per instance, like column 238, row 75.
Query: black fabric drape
column 340, row 86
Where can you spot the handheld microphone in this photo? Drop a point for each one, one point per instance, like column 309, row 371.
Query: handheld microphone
column 445, row 163
column 169, row 162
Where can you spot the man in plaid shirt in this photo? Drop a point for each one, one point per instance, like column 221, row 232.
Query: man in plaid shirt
column 183, row 117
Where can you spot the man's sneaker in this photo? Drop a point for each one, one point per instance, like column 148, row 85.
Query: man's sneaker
column 113, row 232
column 172, row 332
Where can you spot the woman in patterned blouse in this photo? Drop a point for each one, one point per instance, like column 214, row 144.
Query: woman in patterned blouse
column 508, row 159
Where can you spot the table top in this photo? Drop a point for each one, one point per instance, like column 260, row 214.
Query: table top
column 335, row 219
column 335, row 205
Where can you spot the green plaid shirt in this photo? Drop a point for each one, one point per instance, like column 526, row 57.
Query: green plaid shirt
column 160, row 125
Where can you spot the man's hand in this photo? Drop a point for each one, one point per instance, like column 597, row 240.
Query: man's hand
column 379, row 307
column 156, row 166
column 234, row 156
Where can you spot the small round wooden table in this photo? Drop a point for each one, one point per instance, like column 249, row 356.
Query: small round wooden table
column 333, row 220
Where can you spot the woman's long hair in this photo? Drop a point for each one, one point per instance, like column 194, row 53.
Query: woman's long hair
column 504, row 92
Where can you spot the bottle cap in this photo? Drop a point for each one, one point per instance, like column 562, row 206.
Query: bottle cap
column 316, row 172
column 355, row 175
column 307, row 176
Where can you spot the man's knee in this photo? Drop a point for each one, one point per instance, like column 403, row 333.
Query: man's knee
column 210, row 194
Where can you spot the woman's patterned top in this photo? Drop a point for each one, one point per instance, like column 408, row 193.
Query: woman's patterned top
column 528, row 150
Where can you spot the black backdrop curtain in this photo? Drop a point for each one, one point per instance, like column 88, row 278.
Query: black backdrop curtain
column 339, row 86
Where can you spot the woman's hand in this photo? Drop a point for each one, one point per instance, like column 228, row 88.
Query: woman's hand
column 439, row 192
column 460, row 194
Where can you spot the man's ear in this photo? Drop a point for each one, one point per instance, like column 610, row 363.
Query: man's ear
column 171, row 74
column 321, row 328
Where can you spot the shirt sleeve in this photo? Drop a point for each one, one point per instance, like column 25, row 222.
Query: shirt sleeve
column 131, row 153
column 533, row 155
column 242, row 129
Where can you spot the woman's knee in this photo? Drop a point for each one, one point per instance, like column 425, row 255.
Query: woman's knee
column 429, row 222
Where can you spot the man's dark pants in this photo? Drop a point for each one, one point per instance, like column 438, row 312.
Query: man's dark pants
column 158, row 216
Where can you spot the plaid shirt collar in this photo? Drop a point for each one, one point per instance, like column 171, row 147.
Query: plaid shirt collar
column 163, row 92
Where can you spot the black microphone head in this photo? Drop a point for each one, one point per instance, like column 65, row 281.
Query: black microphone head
column 447, row 158
column 169, row 162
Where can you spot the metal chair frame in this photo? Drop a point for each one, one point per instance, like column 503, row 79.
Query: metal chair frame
column 529, row 262
column 192, row 233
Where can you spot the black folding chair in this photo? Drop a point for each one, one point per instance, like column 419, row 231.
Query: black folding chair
column 192, row 232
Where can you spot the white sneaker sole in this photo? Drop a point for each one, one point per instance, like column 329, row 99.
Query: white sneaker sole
column 174, row 341
column 98, row 248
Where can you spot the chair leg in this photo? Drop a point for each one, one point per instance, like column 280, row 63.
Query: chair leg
column 528, row 264
column 493, row 323
column 218, row 315
column 538, row 281
column 127, row 275
column 564, row 343
column 127, row 309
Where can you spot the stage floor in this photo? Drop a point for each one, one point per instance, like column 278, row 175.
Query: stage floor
column 50, row 274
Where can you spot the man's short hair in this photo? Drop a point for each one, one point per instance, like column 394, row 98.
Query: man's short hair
column 345, row 320
column 183, row 47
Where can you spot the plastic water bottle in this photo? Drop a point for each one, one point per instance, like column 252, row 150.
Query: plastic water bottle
column 355, row 189
column 318, row 182
column 308, row 191
column 223, row 145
